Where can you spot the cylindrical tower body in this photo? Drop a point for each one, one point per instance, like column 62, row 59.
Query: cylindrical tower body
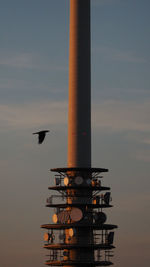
column 79, row 117
column 79, row 124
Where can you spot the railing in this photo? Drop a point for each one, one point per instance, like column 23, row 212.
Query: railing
column 59, row 255
column 99, row 199
column 60, row 180
column 102, row 237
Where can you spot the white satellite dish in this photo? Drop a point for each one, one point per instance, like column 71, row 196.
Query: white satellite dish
column 76, row 214
column 66, row 181
column 55, row 218
column 78, row 180
column 72, row 232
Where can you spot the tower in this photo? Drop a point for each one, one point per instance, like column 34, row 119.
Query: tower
column 79, row 235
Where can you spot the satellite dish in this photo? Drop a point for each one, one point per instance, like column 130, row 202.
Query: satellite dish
column 110, row 238
column 100, row 217
column 46, row 237
column 55, row 218
column 66, row 181
column 107, row 198
column 63, row 216
column 72, row 232
column 76, row 214
column 78, row 180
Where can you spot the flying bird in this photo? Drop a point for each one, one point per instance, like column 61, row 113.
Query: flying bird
column 41, row 136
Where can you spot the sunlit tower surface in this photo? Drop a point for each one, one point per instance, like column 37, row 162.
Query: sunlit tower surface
column 79, row 234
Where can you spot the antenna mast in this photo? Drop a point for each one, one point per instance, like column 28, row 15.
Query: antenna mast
column 79, row 234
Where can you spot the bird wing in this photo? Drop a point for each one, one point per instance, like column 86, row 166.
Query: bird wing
column 41, row 137
column 36, row 133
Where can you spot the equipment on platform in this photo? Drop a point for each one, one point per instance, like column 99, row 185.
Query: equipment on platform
column 78, row 180
column 100, row 217
column 107, row 198
column 66, row 181
column 76, row 214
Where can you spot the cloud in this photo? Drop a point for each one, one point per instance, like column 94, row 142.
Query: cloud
column 119, row 116
column 143, row 155
column 110, row 53
column 33, row 115
column 29, row 61
column 108, row 116
column 133, row 203
column 146, row 141
column 24, row 60
column 17, row 86
column 103, row 2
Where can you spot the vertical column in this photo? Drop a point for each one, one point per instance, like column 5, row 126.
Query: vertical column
column 79, row 124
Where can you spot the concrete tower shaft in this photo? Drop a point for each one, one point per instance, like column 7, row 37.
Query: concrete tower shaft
column 79, row 124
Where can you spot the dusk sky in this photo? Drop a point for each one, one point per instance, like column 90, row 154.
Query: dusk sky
column 34, row 96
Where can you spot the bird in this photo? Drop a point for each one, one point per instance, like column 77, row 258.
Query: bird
column 41, row 136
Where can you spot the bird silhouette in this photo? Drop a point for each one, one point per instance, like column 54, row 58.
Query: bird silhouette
column 41, row 135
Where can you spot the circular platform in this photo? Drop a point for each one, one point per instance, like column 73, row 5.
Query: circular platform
column 78, row 246
column 83, row 263
column 65, row 205
column 88, row 170
column 92, row 188
column 79, row 225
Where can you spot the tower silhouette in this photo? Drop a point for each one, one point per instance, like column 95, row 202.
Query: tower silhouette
column 79, row 234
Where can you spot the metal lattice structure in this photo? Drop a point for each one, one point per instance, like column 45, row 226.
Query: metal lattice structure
column 79, row 220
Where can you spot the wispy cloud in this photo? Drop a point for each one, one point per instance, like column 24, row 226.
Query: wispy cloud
column 16, row 85
column 24, row 60
column 33, row 115
column 146, row 141
column 143, row 155
column 103, row 2
column 108, row 116
column 119, row 116
column 29, row 61
column 110, row 53
column 130, row 119
column 138, row 201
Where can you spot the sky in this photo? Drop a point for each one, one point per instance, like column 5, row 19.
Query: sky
column 34, row 95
